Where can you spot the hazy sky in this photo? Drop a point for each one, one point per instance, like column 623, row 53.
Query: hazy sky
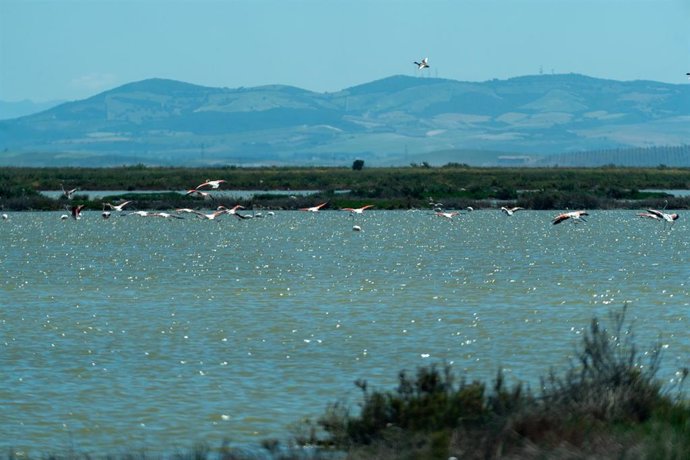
column 73, row 49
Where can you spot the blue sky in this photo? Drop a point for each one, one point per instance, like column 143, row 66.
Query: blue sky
column 72, row 49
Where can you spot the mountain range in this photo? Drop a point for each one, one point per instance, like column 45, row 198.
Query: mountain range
column 399, row 120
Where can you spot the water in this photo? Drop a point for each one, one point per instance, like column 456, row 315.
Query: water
column 133, row 333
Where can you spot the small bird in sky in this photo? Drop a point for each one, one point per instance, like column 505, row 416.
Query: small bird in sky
column 576, row 216
column 423, row 64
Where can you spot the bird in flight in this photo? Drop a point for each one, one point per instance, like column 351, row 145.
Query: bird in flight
column 667, row 217
column 68, row 193
column 423, row 64
column 358, row 210
column 511, row 211
column 118, row 207
column 211, row 183
column 576, row 216
column 316, row 208
column 76, row 211
column 447, row 215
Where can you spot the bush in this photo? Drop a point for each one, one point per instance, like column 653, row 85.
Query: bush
column 596, row 408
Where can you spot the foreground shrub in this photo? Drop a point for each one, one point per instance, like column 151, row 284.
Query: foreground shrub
column 603, row 405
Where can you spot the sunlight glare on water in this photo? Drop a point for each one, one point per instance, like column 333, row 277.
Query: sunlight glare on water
column 156, row 334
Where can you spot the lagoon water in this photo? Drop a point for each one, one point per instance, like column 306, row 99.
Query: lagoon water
column 134, row 333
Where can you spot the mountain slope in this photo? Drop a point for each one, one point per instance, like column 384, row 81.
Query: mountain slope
column 395, row 120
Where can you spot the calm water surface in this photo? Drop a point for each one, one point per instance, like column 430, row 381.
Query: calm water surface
column 135, row 333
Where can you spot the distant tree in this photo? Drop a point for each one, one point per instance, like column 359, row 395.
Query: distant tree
column 357, row 165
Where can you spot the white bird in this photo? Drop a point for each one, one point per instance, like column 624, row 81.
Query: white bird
column 447, row 215
column 576, row 216
column 211, row 183
column 165, row 215
column 198, row 192
column 648, row 215
column 511, row 211
column 106, row 214
column 356, row 228
column 64, row 217
column 316, row 208
column 358, row 210
column 211, row 216
column 118, row 207
column 423, row 64
column 138, row 213
column 664, row 215
column 68, row 193
column 5, row 217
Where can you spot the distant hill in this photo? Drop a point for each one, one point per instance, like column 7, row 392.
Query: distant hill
column 9, row 110
column 394, row 121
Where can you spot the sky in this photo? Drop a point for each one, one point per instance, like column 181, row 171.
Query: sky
column 56, row 50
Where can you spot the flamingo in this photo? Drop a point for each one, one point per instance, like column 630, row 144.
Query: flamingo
column 211, row 183
column 664, row 215
column 68, row 193
column 316, row 208
column 211, row 216
column 198, row 192
column 118, row 207
column 447, row 215
column 358, row 210
column 165, row 215
column 138, row 213
column 423, row 64
column 648, row 215
column 76, row 211
column 511, row 211
column 233, row 211
column 576, row 216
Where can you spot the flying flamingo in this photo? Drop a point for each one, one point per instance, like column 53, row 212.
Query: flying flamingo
column 648, row 215
column 664, row 215
column 576, row 216
column 211, row 183
column 358, row 210
column 447, row 215
column 511, row 211
column 76, row 211
column 233, row 211
column 316, row 208
column 423, row 64
column 211, row 216
column 68, row 193
column 198, row 192
column 165, row 215
column 118, row 207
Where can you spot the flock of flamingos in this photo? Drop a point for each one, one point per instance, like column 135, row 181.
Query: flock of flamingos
column 199, row 190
